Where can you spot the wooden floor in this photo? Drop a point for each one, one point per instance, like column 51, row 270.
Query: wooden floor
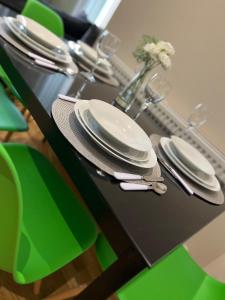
column 82, row 270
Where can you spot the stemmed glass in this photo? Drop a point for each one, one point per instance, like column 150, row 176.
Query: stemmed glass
column 106, row 45
column 156, row 90
column 197, row 117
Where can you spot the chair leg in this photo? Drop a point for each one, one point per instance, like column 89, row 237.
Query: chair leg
column 37, row 287
column 28, row 117
column 8, row 136
column 23, row 110
column 67, row 294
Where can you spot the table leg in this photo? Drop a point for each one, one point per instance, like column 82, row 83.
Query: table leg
column 126, row 267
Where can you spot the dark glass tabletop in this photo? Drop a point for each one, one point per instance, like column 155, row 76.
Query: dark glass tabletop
column 154, row 225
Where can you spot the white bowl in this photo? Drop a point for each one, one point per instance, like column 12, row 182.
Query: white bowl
column 119, row 127
column 192, row 157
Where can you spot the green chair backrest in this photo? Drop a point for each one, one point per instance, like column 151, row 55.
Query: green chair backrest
column 10, row 212
column 45, row 16
column 176, row 277
column 42, row 224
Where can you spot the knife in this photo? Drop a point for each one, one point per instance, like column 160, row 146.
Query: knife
column 131, row 177
column 174, row 173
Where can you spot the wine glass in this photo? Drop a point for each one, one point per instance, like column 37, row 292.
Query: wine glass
column 106, row 45
column 197, row 117
column 156, row 90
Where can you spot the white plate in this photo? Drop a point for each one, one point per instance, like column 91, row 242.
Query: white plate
column 106, row 79
column 89, row 122
column 211, row 183
column 15, row 29
column 146, row 165
column 92, row 54
column 34, row 45
column 192, row 157
column 41, row 34
column 101, row 68
column 119, row 127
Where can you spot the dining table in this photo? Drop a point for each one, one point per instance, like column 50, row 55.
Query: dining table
column 142, row 227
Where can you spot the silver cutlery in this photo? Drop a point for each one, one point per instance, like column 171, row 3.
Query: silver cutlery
column 158, row 187
column 66, row 71
column 67, row 98
column 141, row 182
column 131, row 177
column 38, row 57
column 174, row 173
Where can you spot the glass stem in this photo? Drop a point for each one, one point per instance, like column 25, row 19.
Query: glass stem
column 142, row 108
column 79, row 92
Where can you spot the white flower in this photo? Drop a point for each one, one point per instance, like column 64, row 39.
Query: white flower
column 149, row 47
column 164, row 60
column 167, row 47
column 152, row 50
column 159, row 52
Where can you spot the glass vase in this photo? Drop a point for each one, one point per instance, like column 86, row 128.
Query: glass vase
column 128, row 95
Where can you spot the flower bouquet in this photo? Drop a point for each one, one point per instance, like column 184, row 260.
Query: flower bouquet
column 152, row 52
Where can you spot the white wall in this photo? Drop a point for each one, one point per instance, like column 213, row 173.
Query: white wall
column 197, row 30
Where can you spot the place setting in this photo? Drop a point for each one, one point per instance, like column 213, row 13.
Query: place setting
column 43, row 47
column 181, row 158
column 112, row 141
column 96, row 61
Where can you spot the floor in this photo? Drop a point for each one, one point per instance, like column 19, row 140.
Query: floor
column 83, row 270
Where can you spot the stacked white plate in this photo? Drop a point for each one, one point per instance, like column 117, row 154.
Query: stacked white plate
column 116, row 133
column 38, row 38
column 87, row 56
column 190, row 162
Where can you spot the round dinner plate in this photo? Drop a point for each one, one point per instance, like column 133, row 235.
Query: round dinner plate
column 211, row 183
column 192, row 157
column 89, row 122
column 92, row 54
column 102, row 69
column 119, row 127
column 41, row 34
column 80, row 109
column 106, row 79
column 34, row 45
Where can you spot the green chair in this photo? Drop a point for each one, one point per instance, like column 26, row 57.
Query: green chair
column 43, row 226
column 45, row 16
column 10, row 117
column 6, row 81
column 176, row 277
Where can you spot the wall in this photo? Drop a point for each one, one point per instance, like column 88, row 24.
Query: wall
column 197, row 30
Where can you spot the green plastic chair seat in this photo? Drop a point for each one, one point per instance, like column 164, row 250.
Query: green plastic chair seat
column 45, row 16
column 43, row 226
column 10, row 117
column 176, row 277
